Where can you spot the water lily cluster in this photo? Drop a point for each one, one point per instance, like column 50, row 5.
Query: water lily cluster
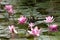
column 23, row 19
column 51, row 27
column 34, row 31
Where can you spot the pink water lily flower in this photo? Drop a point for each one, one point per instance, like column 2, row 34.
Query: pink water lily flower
column 8, row 7
column 22, row 19
column 12, row 29
column 11, row 11
column 31, row 25
column 49, row 19
column 53, row 27
column 34, row 31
